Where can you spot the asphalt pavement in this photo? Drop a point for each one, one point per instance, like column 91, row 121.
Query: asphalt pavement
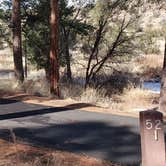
column 100, row 135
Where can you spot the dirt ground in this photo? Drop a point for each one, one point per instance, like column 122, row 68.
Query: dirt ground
column 68, row 103
column 13, row 154
column 16, row 154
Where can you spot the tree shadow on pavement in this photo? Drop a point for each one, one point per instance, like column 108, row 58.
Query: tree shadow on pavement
column 106, row 141
column 101, row 137
column 7, row 101
column 16, row 109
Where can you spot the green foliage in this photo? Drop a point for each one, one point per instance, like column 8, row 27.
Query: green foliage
column 111, row 13
column 36, row 32
column 113, row 37
column 5, row 17
column 36, row 28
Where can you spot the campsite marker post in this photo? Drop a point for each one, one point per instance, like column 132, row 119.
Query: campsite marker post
column 152, row 138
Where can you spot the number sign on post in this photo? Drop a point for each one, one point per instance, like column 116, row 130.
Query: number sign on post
column 152, row 138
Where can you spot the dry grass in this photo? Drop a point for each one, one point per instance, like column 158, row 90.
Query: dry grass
column 151, row 60
column 132, row 98
column 13, row 154
column 71, row 90
column 34, row 87
column 6, row 60
column 149, row 66
column 96, row 96
column 9, row 87
column 135, row 99
column 37, row 87
column 76, row 91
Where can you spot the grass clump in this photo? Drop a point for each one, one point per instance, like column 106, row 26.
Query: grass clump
column 135, row 98
column 15, row 154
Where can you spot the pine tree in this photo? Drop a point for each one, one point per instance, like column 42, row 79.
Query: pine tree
column 54, row 63
column 17, row 43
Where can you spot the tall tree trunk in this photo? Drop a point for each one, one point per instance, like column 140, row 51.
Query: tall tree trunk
column 67, row 55
column 163, row 85
column 26, row 60
column 54, row 50
column 17, row 43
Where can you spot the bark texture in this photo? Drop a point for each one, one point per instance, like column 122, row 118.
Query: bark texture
column 163, row 85
column 54, row 51
column 17, row 43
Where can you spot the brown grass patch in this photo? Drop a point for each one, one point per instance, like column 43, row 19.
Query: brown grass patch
column 12, row 154
column 136, row 99
column 150, row 66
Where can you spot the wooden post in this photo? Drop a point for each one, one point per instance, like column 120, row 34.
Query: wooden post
column 152, row 138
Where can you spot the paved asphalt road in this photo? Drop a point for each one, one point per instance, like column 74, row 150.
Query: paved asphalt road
column 100, row 135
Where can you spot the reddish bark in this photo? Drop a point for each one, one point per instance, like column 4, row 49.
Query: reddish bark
column 54, row 51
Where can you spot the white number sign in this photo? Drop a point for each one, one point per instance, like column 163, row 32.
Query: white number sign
column 149, row 124
column 156, row 126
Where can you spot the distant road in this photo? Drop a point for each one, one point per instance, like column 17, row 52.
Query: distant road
column 6, row 74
